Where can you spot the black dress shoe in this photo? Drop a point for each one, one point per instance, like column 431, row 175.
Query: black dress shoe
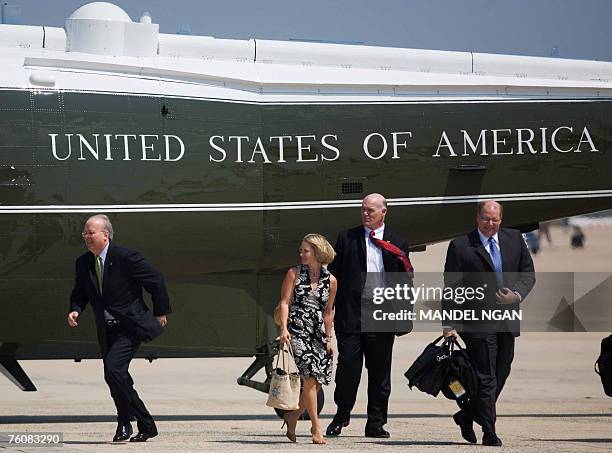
column 378, row 433
column 467, row 429
column 142, row 436
column 334, row 429
column 491, row 440
column 124, row 431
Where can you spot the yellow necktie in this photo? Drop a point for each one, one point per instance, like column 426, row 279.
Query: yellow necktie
column 99, row 272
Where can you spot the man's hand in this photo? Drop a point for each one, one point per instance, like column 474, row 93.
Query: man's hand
column 450, row 333
column 72, row 318
column 162, row 320
column 505, row 296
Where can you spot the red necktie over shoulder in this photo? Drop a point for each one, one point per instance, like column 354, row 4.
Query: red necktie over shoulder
column 394, row 250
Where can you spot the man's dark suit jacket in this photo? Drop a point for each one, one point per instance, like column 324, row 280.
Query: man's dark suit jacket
column 349, row 267
column 468, row 264
column 126, row 272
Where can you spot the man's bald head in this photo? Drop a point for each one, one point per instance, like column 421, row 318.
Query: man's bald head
column 490, row 204
column 489, row 217
column 97, row 232
column 373, row 211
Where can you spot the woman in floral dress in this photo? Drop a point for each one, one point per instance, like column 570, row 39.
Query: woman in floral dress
column 306, row 321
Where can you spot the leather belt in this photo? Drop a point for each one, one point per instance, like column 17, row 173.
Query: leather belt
column 112, row 322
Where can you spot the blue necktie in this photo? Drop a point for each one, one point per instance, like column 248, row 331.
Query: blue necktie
column 497, row 263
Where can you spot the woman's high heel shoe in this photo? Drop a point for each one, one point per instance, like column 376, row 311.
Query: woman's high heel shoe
column 317, row 437
column 290, row 434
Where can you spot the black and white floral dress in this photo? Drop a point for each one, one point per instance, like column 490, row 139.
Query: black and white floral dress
column 307, row 329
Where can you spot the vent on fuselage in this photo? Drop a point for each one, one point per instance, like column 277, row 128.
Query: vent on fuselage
column 352, row 186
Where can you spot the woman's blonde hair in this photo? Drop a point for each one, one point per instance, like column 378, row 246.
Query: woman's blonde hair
column 324, row 252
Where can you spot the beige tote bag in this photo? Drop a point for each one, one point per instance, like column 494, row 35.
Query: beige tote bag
column 285, row 383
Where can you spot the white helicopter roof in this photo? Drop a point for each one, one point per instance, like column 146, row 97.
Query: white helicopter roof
column 101, row 39
column 101, row 11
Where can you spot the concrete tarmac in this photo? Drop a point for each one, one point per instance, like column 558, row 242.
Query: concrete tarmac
column 553, row 400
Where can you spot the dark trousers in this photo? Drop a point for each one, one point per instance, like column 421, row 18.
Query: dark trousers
column 121, row 349
column 491, row 357
column 377, row 349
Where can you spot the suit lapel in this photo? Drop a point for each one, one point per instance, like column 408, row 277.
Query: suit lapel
column 480, row 250
column 362, row 249
column 108, row 263
column 91, row 270
column 504, row 248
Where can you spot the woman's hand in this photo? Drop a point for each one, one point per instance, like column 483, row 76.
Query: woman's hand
column 330, row 347
column 285, row 336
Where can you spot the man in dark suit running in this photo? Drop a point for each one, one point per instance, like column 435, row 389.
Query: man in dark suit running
column 111, row 278
column 370, row 247
column 497, row 260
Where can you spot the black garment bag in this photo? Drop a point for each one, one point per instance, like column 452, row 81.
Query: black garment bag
column 603, row 366
column 461, row 383
column 429, row 371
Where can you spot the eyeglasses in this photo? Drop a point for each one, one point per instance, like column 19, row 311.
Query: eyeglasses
column 90, row 233
column 488, row 219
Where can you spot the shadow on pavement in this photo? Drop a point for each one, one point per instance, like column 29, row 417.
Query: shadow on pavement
column 594, row 441
column 34, row 419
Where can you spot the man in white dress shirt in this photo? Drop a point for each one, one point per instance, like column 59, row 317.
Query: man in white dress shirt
column 373, row 248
